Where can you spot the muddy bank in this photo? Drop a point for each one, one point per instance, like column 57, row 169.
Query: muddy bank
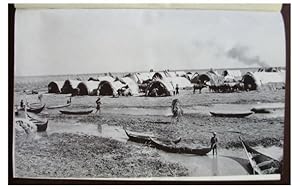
column 71, row 155
column 65, row 153
column 186, row 97
column 196, row 129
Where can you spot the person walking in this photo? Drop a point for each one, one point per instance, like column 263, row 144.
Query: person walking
column 176, row 110
column 177, row 89
column 98, row 102
column 213, row 142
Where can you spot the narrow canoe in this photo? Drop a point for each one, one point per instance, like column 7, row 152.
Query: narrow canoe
column 35, row 108
column 260, row 110
column 144, row 137
column 76, row 112
column 260, row 163
column 173, row 148
column 237, row 115
column 40, row 124
column 59, row 106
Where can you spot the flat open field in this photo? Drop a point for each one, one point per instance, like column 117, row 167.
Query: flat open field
column 94, row 145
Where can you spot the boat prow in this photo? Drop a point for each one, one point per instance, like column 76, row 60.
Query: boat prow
column 260, row 163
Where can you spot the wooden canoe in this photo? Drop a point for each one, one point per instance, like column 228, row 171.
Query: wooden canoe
column 237, row 115
column 35, row 108
column 59, row 106
column 173, row 148
column 260, row 110
column 260, row 163
column 144, row 137
column 40, row 124
column 76, row 112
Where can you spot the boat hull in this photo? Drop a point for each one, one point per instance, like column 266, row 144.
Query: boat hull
column 260, row 110
column 40, row 124
column 58, row 106
column 144, row 137
column 36, row 108
column 235, row 115
column 260, row 163
column 172, row 148
column 70, row 112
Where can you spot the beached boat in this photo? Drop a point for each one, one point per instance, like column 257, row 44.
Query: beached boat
column 144, row 137
column 76, row 112
column 35, row 108
column 237, row 114
column 168, row 146
column 260, row 110
column 59, row 106
column 260, row 163
column 40, row 124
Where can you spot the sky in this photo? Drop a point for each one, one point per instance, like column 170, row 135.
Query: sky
column 57, row 41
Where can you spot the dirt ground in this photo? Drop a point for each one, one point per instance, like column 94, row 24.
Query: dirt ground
column 71, row 155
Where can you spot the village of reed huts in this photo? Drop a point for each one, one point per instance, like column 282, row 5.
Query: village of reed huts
column 164, row 83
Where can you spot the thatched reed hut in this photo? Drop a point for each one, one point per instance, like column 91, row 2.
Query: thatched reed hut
column 70, row 87
column 159, row 87
column 55, row 86
column 255, row 80
column 88, row 88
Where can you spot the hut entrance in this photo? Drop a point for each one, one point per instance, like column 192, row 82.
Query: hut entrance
column 249, row 83
column 82, row 89
column 105, row 89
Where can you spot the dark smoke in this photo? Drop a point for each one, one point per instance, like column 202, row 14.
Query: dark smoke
column 241, row 53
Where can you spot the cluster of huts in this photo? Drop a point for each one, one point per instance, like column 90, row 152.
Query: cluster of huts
column 164, row 83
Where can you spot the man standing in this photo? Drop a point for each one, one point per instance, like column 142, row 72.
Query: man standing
column 177, row 89
column 213, row 142
column 22, row 104
column 98, row 102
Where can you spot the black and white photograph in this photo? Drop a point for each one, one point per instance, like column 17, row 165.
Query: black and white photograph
column 153, row 93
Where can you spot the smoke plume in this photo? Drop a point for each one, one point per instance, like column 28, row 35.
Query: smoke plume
column 241, row 53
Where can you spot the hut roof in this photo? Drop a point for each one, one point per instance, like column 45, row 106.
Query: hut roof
column 180, row 73
column 55, row 86
column 182, row 82
column 252, row 80
column 69, row 86
column 232, row 73
column 131, row 84
column 164, row 88
column 106, row 78
column 88, row 87
column 106, row 87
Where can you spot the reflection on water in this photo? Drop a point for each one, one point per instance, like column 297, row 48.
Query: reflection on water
column 74, row 127
column 214, row 164
column 208, row 165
